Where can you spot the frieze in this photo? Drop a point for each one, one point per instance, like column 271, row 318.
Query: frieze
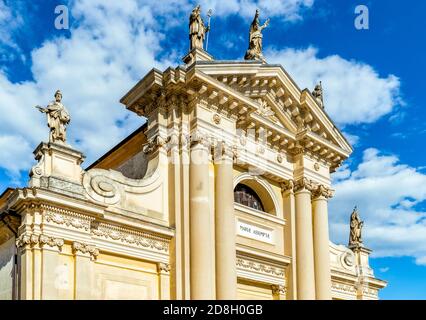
column 260, row 267
column 131, row 237
column 65, row 217
column 344, row 288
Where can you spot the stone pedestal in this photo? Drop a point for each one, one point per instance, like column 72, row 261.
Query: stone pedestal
column 58, row 168
column 196, row 55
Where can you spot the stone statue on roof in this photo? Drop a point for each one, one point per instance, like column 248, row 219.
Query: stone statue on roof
column 197, row 29
column 355, row 236
column 58, row 118
column 254, row 51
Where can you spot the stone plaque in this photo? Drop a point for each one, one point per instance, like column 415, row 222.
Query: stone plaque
column 252, row 231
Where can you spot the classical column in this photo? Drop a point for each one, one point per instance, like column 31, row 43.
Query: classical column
column 290, row 237
column 202, row 272
column 84, row 254
column 304, row 241
column 163, row 270
column 226, row 272
column 321, row 243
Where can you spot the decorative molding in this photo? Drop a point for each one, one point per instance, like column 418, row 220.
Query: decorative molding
column 259, row 267
column 132, row 237
column 163, row 267
column 32, row 239
column 67, row 218
column 85, row 249
column 279, row 158
column 344, row 288
column 278, row 289
column 216, row 119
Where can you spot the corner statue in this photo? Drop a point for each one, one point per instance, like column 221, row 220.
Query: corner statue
column 355, row 238
column 197, row 29
column 254, row 51
column 57, row 119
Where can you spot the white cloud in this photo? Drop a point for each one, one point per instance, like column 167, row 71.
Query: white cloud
column 354, row 92
column 386, row 193
column 10, row 21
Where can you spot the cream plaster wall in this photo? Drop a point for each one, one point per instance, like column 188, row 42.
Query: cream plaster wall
column 7, row 251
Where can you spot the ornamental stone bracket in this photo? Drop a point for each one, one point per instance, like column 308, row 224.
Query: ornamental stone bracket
column 79, row 248
column 32, row 240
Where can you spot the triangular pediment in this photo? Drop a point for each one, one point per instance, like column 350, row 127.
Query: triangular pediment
column 280, row 99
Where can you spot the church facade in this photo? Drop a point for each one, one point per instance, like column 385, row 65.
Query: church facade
column 222, row 194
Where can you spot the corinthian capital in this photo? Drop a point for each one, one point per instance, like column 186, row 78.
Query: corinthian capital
column 153, row 144
column 323, row 191
column 287, row 185
column 223, row 150
column 304, row 183
column 199, row 138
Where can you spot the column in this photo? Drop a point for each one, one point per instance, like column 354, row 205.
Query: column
column 84, row 254
column 226, row 272
column 304, row 241
column 321, row 243
column 202, row 275
column 163, row 270
column 290, row 236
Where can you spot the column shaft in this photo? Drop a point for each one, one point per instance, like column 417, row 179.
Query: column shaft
column 304, row 246
column 321, row 249
column 226, row 273
column 201, row 229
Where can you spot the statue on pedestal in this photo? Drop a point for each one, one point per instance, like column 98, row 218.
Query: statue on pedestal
column 254, row 51
column 197, row 29
column 57, row 119
column 355, row 237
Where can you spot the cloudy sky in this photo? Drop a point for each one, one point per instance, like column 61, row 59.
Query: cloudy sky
column 372, row 79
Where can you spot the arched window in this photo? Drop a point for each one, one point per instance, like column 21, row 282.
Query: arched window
column 248, row 197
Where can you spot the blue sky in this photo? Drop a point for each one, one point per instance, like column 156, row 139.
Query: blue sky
column 372, row 80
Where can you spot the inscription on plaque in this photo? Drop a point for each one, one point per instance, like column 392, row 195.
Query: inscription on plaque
column 254, row 232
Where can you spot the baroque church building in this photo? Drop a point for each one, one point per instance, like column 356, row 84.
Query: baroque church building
column 221, row 194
